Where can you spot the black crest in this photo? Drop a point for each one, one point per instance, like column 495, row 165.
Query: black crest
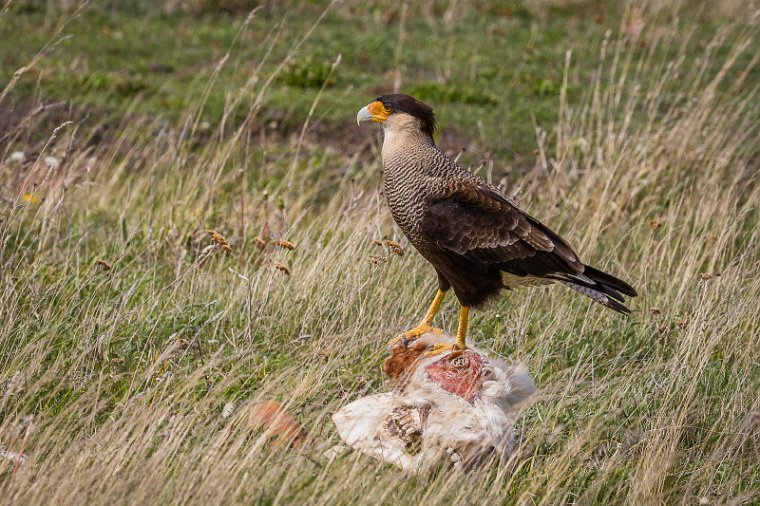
column 398, row 102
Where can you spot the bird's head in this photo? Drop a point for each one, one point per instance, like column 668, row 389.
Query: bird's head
column 399, row 112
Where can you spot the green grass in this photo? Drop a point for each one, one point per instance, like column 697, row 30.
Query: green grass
column 112, row 382
column 497, row 70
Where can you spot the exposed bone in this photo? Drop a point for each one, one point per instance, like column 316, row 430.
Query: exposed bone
column 459, row 407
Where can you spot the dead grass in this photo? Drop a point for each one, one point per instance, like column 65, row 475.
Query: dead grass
column 114, row 381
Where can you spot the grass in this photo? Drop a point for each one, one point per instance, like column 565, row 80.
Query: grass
column 125, row 327
column 497, row 69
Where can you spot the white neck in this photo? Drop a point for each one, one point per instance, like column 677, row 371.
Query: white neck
column 402, row 132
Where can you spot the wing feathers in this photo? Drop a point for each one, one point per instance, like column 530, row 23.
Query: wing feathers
column 600, row 297
column 478, row 227
column 610, row 281
column 482, row 225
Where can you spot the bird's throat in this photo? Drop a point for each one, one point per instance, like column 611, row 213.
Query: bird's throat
column 405, row 142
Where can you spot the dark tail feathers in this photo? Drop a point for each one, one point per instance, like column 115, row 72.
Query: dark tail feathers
column 601, row 287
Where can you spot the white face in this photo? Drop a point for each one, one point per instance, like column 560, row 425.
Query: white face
column 401, row 121
column 402, row 130
column 399, row 129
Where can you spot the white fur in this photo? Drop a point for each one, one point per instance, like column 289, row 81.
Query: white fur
column 447, row 424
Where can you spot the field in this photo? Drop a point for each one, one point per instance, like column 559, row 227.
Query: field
column 133, row 341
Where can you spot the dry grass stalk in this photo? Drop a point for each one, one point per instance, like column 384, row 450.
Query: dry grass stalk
column 259, row 243
column 377, row 259
column 220, row 241
column 282, row 267
column 393, row 246
column 284, row 244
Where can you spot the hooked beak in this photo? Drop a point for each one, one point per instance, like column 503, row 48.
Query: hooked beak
column 375, row 111
column 363, row 116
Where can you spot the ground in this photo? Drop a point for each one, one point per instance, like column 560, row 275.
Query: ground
column 133, row 340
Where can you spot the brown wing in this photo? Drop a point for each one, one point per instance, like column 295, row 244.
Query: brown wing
column 479, row 225
column 480, row 228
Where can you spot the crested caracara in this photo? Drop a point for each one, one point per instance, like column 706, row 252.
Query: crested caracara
column 478, row 241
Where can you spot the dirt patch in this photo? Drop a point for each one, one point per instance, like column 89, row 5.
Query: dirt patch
column 20, row 115
column 30, row 125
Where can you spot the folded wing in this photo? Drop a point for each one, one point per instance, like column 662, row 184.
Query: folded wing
column 483, row 230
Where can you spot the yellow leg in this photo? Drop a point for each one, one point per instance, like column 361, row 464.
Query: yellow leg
column 459, row 345
column 434, row 307
column 464, row 318
column 426, row 325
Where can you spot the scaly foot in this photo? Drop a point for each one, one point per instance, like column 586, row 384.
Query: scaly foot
column 440, row 348
column 412, row 334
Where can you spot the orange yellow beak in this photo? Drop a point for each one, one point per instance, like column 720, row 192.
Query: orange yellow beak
column 375, row 111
